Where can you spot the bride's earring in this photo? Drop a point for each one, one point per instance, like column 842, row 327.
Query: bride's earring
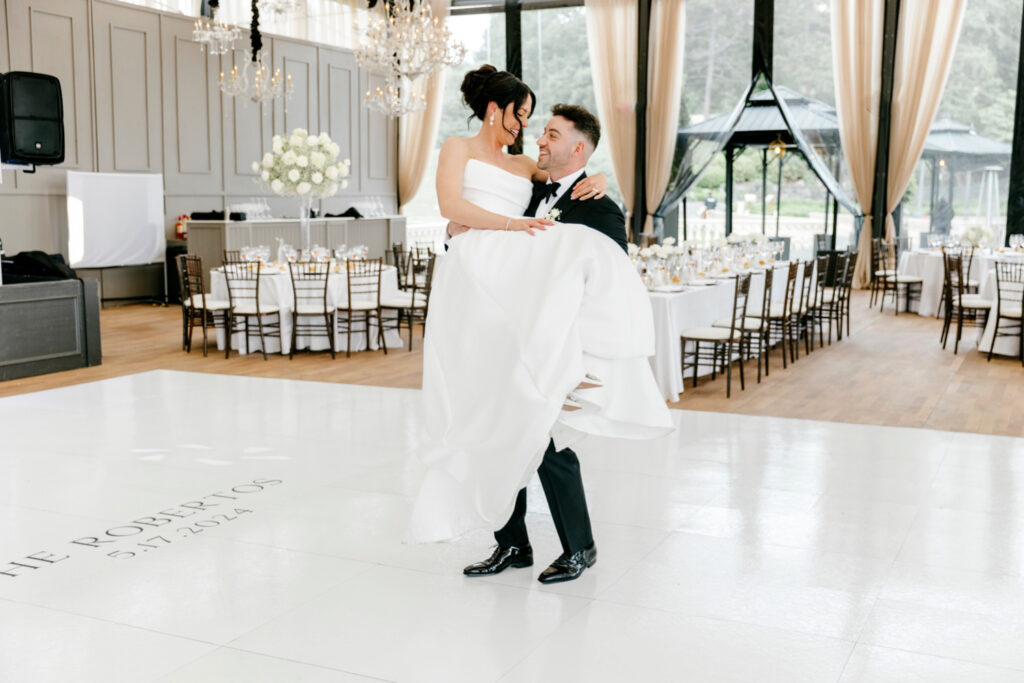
column 492, row 118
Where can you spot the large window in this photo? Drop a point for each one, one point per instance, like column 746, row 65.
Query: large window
column 963, row 176
column 803, row 65
column 556, row 65
column 484, row 38
column 716, row 73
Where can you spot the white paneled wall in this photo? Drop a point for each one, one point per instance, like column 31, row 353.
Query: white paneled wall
column 140, row 96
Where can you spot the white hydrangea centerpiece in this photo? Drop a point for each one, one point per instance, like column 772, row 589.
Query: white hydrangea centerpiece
column 977, row 235
column 748, row 238
column 303, row 166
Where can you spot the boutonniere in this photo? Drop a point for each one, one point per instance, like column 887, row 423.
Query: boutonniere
column 553, row 214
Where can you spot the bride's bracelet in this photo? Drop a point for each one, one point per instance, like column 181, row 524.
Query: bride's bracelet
column 508, row 222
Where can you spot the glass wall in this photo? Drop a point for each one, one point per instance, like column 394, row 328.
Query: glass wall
column 716, row 73
column 556, row 64
column 803, row 66
column 963, row 176
column 484, row 38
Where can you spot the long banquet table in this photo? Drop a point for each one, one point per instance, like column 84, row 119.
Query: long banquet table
column 276, row 289
column 700, row 306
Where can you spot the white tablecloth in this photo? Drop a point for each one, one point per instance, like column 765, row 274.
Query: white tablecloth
column 699, row 307
column 276, row 289
column 928, row 266
column 1005, row 346
column 986, row 263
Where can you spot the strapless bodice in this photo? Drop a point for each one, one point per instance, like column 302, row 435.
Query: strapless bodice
column 495, row 189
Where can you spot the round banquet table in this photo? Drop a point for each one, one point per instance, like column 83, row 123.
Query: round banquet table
column 276, row 289
column 928, row 265
column 1005, row 346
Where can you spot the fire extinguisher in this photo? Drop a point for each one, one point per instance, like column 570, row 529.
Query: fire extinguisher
column 181, row 227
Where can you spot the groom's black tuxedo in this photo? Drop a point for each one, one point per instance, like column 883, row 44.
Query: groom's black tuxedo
column 603, row 214
column 559, row 471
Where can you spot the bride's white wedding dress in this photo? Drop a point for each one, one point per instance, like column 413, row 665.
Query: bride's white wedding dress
column 515, row 323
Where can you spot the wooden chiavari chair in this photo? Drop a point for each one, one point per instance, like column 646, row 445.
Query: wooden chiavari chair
column 243, row 279
column 755, row 326
column 880, row 270
column 965, row 308
column 802, row 310
column 401, row 259
column 911, row 284
column 312, row 313
column 815, row 316
column 413, row 304
column 198, row 306
column 722, row 340
column 362, row 305
column 847, row 285
column 832, row 300
column 186, row 300
column 420, row 256
column 1009, row 304
column 780, row 318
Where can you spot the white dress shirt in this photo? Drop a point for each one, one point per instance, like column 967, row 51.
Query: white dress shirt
column 563, row 186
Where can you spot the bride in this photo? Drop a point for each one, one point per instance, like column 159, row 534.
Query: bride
column 523, row 311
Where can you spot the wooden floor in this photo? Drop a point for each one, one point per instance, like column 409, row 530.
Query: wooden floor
column 890, row 371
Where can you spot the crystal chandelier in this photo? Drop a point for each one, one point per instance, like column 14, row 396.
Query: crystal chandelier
column 254, row 81
column 395, row 98
column 278, row 7
column 406, row 43
column 216, row 36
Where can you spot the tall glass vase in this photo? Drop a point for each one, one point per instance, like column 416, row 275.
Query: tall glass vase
column 305, row 203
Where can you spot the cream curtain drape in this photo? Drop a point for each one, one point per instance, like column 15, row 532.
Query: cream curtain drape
column 857, row 71
column 925, row 45
column 611, row 35
column 664, row 95
column 417, row 132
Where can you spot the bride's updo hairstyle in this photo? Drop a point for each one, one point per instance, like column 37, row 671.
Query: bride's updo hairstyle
column 487, row 84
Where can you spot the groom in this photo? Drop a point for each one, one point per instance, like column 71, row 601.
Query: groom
column 569, row 139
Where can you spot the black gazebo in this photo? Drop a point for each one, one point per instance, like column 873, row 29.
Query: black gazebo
column 956, row 148
column 774, row 119
column 778, row 118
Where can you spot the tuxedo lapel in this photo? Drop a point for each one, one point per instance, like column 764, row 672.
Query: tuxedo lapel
column 566, row 203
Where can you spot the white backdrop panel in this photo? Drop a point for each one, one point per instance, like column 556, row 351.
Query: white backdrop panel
column 115, row 219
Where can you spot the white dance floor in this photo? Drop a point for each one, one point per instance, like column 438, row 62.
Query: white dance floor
column 172, row 526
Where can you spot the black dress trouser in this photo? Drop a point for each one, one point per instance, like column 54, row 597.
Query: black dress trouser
column 559, row 474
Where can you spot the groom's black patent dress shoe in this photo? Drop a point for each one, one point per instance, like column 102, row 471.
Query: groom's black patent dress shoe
column 501, row 559
column 569, row 567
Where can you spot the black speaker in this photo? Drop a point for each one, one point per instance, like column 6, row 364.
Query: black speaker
column 31, row 119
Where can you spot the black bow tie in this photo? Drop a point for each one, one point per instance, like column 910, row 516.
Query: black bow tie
column 542, row 191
